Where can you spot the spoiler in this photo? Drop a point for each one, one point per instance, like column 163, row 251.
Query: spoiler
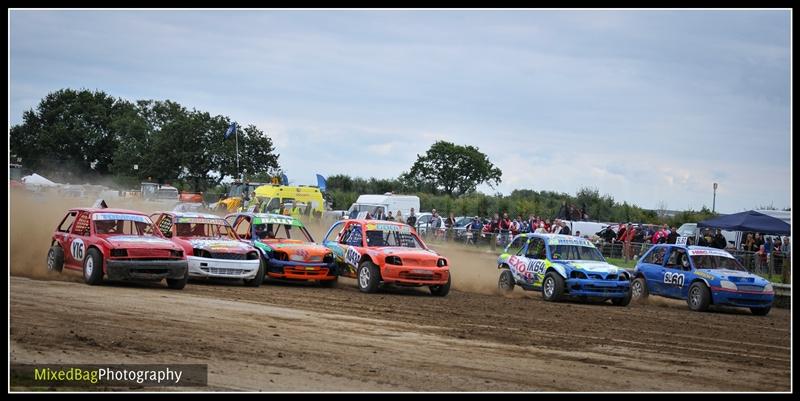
column 100, row 204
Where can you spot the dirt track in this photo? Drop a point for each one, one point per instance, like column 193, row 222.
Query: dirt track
column 302, row 338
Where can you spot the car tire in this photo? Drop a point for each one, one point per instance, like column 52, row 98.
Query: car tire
column 761, row 311
column 178, row 283
column 55, row 259
column 639, row 292
column 259, row 278
column 441, row 290
column 93, row 267
column 699, row 297
column 624, row 301
column 506, row 282
column 368, row 277
column 552, row 287
column 329, row 283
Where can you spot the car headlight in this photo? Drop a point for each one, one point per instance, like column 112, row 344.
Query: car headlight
column 394, row 260
column 297, row 258
column 727, row 284
column 119, row 253
column 768, row 288
column 441, row 262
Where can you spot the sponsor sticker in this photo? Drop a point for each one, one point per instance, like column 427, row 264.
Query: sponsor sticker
column 120, row 216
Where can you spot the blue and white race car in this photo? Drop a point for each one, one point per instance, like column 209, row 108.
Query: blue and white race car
column 561, row 266
column 702, row 276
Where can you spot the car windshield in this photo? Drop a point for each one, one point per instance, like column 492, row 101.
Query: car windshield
column 281, row 231
column 122, row 227
column 575, row 252
column 204, row 230
column 716, row 262
column 392, row 235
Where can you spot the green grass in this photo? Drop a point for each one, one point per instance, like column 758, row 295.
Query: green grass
column 621, row 263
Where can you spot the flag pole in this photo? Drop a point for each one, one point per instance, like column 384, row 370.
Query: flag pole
column 236, row 132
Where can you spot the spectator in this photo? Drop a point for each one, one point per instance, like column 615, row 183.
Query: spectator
column 412, row 219
column 379, row 214
column 786, row 248
column 759, row 240
column 767, row 244
column 777, row 245
column 399, row 216
column 719, row 240
column 630, row 233
column 578, row 233
column 607, row 234
column 672, row 237
column 564, row 228
column 389, row 216
column 532, row 223
column 505, row 222
column 750, row 243
column 761, row 257
column 621, row 234
column 547, row 225
column 541, row 229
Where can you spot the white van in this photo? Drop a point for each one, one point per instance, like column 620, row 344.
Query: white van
column 733, row 238
column 589, row 228
column 385, row 203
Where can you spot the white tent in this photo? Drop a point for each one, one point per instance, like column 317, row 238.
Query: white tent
column 36, row 179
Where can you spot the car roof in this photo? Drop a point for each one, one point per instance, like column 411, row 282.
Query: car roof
column 100, row 210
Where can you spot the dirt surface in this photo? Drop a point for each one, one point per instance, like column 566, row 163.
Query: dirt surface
column 283, row 337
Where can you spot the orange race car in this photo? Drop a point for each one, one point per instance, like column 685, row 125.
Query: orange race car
column 286, row 246
column 379, row 252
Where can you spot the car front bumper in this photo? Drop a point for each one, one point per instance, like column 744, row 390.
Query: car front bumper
column 200, row 267
column 747, row 299
column 598, row 288
column 146, row 270
column 301, row 270
column 410, row 275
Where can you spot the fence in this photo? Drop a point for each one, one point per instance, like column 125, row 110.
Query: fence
column 775, row 266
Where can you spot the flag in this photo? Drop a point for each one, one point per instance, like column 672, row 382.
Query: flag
column 284, row 179
column 321, row 183
column 231, row 130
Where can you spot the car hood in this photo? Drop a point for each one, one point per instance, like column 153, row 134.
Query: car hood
column 139, row 241
column 591, row 266
column 736, row 276
column 220, row 245
column 292, row 246
column 401, row 251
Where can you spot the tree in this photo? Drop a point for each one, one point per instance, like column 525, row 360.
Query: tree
column 453, row 169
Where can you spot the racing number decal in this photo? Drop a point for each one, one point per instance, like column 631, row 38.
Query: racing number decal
column 77, row 249
column 674, row 278
column 527, row 271
column 536, row 267
column 352, row 257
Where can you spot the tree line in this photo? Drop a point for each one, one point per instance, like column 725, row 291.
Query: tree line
column 81, row 135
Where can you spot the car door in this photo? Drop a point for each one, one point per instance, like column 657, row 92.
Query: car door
column 63, row 233
column 352, row 243
column 77, row 241
column 674, row 274
column 652, row 266
column 536, row 255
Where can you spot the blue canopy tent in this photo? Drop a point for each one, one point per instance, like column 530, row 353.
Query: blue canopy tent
column 748, row 221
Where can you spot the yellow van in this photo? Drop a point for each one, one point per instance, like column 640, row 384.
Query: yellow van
column 296, row 201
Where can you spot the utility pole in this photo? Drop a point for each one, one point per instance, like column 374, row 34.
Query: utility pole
column 714, row 202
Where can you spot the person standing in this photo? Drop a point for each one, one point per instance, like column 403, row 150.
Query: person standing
column 412, row 219
column 564, row 228
column 399, row 216
column 630, row 232
column 719, row 240
column 389, row 216
column 672, row 237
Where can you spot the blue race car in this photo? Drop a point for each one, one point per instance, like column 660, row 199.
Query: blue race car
column 702, row 276
column 561, row 266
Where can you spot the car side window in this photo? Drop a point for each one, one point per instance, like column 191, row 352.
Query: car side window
column 678, row 259
column 515, row 247
column 656, row 257
column 352, row 235
column 334, row 232
column 66, row 223
column 82, row 225
column 536, row 249
column 164, row 224
column 243, row 228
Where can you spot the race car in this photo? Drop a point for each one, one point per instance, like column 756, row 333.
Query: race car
column 117, row 244
column 286, row 247
column 561, row 266
column 379, row 252
column 211, row 247
column 702, row 276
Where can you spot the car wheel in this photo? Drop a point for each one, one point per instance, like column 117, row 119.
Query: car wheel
column 624, row 301
column 178, row 283
column 699, row 297
column 93, row 267
column 259, row 278
column 55, row 259
column 369, row 277
column 506, row 281
column 639, row 291
column 441, row 290
column 552, row 287
column 760, row 311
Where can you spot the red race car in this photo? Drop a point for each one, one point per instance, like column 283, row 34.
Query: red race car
column 118, row 244
column 386, row 252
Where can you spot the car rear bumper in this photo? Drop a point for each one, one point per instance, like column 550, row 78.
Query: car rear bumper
column 301, row 270
column 742, row 299
column 146, row 270
column 598, row 288
column 222, row 268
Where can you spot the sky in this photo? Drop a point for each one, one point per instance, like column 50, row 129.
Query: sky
column 649, row 106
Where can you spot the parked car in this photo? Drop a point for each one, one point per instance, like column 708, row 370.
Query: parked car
column 115, row 244
column 378, row 252
column 702, row 276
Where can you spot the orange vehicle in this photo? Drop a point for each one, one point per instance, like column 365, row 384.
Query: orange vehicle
column 286, row 246
column 377, row 252
column 191, row 197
